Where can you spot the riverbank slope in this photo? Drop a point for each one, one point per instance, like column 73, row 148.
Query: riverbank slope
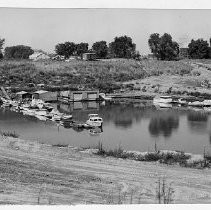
column 34, row 173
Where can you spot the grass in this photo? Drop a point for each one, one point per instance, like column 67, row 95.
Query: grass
column 9, row 134
column 60, row 145
column 168, row 158
column 164, row 192
column 104, row 75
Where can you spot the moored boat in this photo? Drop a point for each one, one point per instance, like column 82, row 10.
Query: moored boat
column 207, row 102
column 162, row 99
column 94, row 120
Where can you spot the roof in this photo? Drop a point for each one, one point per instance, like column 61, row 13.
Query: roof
column 89, row 53
column 21, row 93
column 41, row 91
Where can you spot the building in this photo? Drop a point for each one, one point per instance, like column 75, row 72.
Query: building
column 45, row 95
column 39, row 56
column 89, row 56
column 22, row 95
column 71, row 96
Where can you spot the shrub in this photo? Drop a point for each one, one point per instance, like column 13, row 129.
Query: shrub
column 9, row 134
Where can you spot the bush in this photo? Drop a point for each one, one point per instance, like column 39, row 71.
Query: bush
column 18, row 52
column 9, row 134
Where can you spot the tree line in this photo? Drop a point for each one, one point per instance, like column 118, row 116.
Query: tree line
column 121, row 47
column 162, row 47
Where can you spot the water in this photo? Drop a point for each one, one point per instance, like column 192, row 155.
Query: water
column 135, row 125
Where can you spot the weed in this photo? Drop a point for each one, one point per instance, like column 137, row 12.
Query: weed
column 9, row 134
column 164, row 192
column 60, row 145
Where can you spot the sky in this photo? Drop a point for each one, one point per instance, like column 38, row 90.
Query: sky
column 44, row 28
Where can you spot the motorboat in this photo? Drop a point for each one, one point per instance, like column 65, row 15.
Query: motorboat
column 182, row 101
column 162, row 99
column 66, row 117
column 106, row 98
column 196, row 103
column 40, row 117
column 41, row 112
column 207, row 102
column 94, row 120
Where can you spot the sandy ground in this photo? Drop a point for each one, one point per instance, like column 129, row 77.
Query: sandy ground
column 33, row 173
column 189, row 83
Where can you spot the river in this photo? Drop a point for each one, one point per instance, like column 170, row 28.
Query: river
column 131, row 124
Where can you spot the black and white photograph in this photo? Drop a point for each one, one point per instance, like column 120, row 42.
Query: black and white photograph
column 105, row 106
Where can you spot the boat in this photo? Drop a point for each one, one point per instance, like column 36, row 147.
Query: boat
column 196, row 103
column 182, row 101
column 94, row 120
column 106, row 98
column 207, row 102
column 66, row 117
column 162, row 99
column 41, row 112
column 40, row 117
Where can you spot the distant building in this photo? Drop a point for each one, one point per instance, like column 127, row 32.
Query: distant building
column 71, row 96
column 39, row 56
column 23, row 95
column 183, row 53
column 89, row 56
column 58, row 57
column 45, row 95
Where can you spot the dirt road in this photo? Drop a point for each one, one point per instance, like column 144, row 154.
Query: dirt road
column 33, row 173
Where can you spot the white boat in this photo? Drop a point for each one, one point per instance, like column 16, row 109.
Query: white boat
column 94, row 120
column 182, row 101
column 43, row 118
column 207, row 102
column 196, row 103
column 41, row 112
column 29, row 112
column 162, row 99
column 106, row 98
column 56, row 118
column 66, row 117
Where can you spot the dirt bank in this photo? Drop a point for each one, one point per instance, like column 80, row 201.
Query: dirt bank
column 32, row 173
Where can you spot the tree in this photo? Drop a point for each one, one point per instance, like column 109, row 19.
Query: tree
column 154, row 44
column 1, row 47
column 18, row 52
column 163, row 48
column 81, row 48
column 122, row 47
column 100, row 48
column 198, row 49
column 65, row 49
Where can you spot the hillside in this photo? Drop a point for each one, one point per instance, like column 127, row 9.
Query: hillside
column 107, row 75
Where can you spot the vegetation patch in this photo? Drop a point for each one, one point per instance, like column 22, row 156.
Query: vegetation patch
column 165, row 157
column 9, row 134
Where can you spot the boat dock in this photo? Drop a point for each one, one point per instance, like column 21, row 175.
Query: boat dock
column 73, row 96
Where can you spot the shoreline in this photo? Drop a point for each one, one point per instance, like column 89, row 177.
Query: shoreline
column 35, row 173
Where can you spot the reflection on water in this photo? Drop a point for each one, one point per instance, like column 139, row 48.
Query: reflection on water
column 163, row 124
column 132, row 123
column 197, row 121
